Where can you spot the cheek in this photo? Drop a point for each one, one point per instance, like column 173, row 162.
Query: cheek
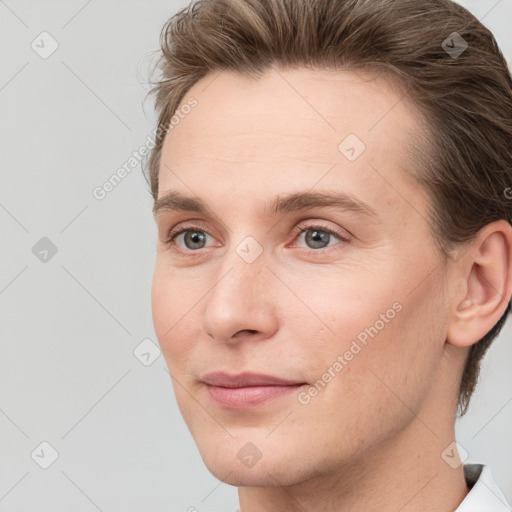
column 161, row 304
column 170, row 310
column 373, row 380
column 398, row 362
column 341, row 313
column 370, row 334
column 171, row 316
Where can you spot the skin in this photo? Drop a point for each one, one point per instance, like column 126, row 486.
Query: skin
column 373, row 437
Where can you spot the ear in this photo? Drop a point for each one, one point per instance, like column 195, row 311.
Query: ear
column 485, row 284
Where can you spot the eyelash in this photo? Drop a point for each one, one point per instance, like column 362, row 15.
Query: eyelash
column 298, row 230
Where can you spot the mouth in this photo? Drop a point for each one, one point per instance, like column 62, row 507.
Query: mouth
column 247, row 390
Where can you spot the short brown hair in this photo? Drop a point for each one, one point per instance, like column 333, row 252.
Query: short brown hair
column 464, row 158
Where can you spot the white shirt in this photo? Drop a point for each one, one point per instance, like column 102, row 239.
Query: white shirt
column 484, row 494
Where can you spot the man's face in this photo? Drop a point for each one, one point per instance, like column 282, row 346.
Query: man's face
column 351, row 310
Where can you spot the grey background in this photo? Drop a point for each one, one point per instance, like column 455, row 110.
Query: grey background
column 69, row 326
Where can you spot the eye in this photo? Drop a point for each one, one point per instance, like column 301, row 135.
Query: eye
column 318, row 237
column 192, row 238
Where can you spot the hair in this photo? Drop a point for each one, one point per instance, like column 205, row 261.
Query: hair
column 463, row 154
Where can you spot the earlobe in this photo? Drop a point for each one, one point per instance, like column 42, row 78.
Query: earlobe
column 487, row 273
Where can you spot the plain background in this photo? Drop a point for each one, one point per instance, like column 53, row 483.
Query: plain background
column 69, row 325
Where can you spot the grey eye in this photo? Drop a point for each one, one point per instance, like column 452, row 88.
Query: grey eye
column 194, row 239
column 317, row 239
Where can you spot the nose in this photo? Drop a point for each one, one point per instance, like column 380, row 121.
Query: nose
column 241, row 303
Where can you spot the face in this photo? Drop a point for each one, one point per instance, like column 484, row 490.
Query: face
column 304, row 256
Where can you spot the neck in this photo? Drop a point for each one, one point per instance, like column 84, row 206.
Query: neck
column 404, row 472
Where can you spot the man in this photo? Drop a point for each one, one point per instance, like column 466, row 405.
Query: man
column 334, row 245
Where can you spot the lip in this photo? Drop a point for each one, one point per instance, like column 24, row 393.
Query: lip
column 247, row 390
column 245, row 379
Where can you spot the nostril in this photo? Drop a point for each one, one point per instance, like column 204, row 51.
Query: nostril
column 245, row 331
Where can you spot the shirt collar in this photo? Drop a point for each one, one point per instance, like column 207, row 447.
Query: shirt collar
column 484, row 494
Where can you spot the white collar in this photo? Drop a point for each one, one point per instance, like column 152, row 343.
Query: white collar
column 484, row 494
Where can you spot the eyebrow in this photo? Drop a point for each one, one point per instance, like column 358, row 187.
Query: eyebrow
column 175, row 201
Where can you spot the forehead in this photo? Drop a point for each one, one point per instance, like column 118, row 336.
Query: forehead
column 287, row 129
column 319, row 107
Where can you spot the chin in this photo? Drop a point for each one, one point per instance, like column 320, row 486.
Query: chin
column 230, row 462
column 245, row 477
column 261, row 475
